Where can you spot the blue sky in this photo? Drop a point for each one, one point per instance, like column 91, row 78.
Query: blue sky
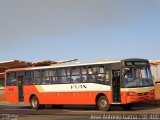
column 89, row 30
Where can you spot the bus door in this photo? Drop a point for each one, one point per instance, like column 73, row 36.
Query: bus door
column 116, row 86
column 20, row 88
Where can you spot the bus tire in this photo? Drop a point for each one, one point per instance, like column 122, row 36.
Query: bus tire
column 35, row 103
column 103, row 103
column 127, row 106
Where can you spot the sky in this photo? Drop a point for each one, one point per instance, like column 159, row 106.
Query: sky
column 88, row 30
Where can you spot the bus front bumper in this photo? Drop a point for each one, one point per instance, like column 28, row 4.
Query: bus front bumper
column 139, row 99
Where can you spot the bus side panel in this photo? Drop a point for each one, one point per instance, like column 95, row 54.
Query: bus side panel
column 62, row 97
column 123, row 97
column 28, row 91
column 88, row 98
column 109, row 96
column 12, row 94
column 68, row 98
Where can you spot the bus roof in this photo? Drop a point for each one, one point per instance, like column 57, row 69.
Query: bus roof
column 69, row 64
column 60, row 65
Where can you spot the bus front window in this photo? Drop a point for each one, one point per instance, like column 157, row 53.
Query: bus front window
column 137, row 77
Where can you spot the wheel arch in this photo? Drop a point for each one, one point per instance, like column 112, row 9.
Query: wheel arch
column 31, row 97
column 98, row 96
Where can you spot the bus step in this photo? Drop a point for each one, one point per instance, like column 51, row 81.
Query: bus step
column 116, row 103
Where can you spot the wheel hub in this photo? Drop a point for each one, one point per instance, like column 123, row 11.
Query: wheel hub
column 103, row 103
column 34, row 103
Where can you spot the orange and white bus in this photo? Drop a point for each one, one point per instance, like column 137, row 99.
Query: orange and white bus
column 104, row 83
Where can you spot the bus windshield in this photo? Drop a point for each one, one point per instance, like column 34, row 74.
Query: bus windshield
column 137, row 77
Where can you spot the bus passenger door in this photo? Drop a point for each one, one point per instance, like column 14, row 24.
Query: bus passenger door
column 20, row 88
column 116, row 86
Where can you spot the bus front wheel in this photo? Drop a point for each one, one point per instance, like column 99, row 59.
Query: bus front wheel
column 103, row 103
column 35, row 103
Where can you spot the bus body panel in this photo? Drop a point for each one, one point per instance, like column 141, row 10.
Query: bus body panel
column 12, row 94
column 28, row 91
column 52, row 97
column 88, row 97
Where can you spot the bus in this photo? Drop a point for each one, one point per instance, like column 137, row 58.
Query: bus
column 103, row 83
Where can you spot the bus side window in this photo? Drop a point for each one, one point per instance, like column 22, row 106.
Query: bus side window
column 84, row 78
column 53, row 77
column 90, row 76
column 28, row 77
column 100, row 76
column 84, row 74
column 61, row 76
column 68, row 74
column 95, row 70
column 37, row 77
column 53, row 80
column 61, row 79
column 45, row 76
column 11, row 79
column 107, row 78
column 48, row 76
column 2, row 84
column 75, row 75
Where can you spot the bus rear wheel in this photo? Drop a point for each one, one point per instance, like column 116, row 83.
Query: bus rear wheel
column 35, row 103
column 103, row 103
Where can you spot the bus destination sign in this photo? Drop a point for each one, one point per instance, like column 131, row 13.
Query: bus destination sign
column 136, row 63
